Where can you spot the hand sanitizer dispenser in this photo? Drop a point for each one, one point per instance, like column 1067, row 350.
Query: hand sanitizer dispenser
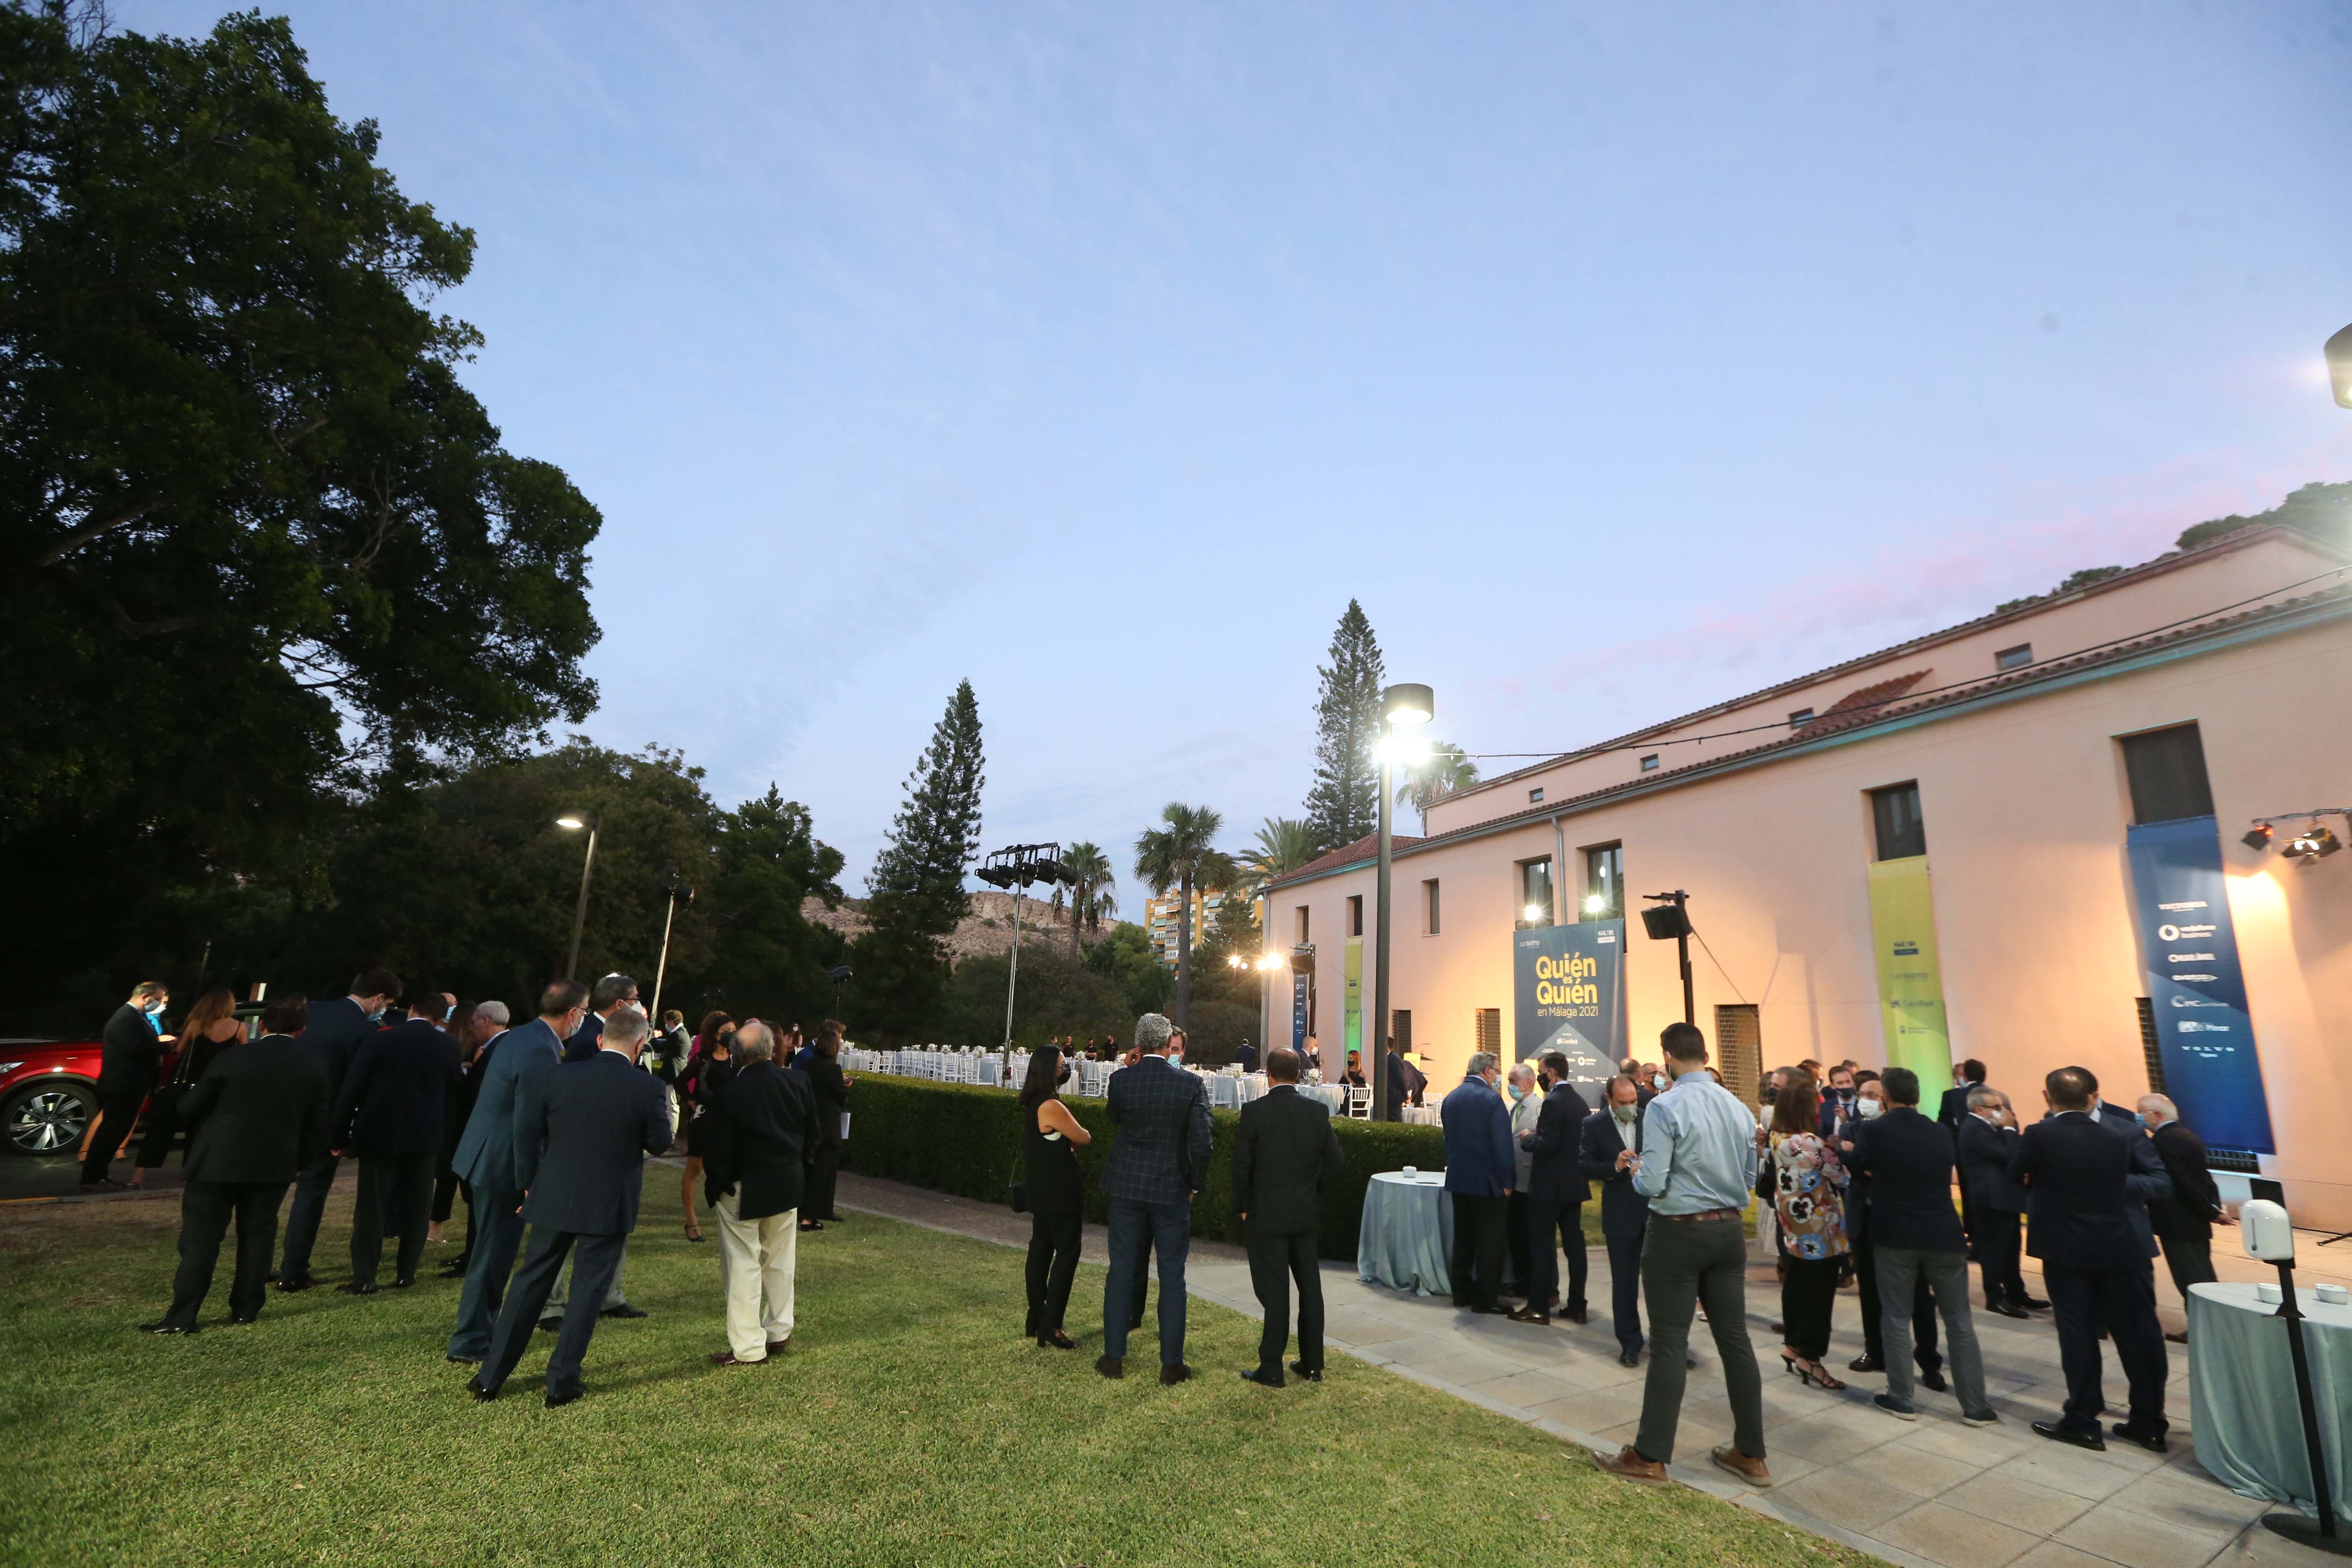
column 2266, row 1231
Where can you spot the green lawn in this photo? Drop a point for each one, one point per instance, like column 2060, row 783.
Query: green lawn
column 909, row 1425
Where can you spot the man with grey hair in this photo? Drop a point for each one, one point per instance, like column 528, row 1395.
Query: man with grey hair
column 1481, row 1169
column 1993, row 1202
column 581, row 1159
column 1159, row 1163
column 1526, row 1105
column 754, row 1181
column 2184, row 1220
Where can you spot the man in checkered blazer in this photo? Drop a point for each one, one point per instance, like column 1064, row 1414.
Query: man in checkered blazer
column 1160, row 1161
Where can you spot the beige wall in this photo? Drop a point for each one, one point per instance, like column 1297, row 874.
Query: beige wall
column 2025, row 808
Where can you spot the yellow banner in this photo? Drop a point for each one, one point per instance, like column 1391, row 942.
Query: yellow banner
column 1910, row 976
column 1353, row 1012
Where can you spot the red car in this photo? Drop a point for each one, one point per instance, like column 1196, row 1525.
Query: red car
column 48, row 1093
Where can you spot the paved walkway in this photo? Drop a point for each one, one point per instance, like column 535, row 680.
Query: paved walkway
column 1930, row 1492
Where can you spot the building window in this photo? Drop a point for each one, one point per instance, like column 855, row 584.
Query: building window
column 1429, row 906
column 1895, row 812
column 2167, row 770
column 1604, row 882
column 1490, row 1029
column 1302, row 925
column 1800, row 716
column 2016, row 658
column 1356, row 914
column 1535, row 892
column 1535, row 794
column 1400, row 1030
column 1650, row 763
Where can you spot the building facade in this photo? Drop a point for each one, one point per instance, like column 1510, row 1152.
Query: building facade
column 1160, row 922
column 1968, row 846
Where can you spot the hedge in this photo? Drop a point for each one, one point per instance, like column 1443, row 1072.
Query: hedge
column 957, row 1137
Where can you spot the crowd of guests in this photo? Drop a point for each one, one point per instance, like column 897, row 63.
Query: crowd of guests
column 1852, row 1181
column 547, row 1124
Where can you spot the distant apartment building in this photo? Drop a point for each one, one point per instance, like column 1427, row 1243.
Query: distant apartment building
column 1160, row 922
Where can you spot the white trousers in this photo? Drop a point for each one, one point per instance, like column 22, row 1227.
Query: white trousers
column 755, row 1262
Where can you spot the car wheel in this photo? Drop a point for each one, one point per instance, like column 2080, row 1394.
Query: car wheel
column 48, row 1118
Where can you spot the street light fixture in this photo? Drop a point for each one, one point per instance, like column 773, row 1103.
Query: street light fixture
column 573, row 822
column 1404, row 709
column 2340, row 367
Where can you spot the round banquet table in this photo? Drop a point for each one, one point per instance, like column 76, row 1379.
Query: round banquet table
column 2241, row 1403
column 1407, row 1233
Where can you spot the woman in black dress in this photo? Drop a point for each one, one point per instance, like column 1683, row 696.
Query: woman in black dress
column 706, row 1075
column 1056, row 1196
column 831, row 1085
column 211, row 1028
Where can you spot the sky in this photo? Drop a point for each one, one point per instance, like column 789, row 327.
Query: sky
column 1618, row 359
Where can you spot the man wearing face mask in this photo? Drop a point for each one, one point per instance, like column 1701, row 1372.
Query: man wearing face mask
column 1869, row 1104
column 1479, row 1172
column 1612, row 1149
column 1520, row 1094
column 1837, row 1102
column 331, row 1038
column 126, row 1071
column 1556, row 1193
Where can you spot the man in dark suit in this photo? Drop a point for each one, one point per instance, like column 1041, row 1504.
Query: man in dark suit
column 1954, row 1108
column 1916, row 1237
column 1406, row 1084
column 131, row 1050
column 1245, row 1057
column 1286, row 1157
column 257, row 1115
column 1869, row 1103
column 489, row 1156
column 1159, row 1163
column 333, row 1039
column 596, row 1122
column 1609, row 1149
column 1995, row 1204
column 390, row 1113
column 754, row 1183
column 2183, row 1219
column 612, row 990
column 1556, row 1192
column 2081, row 1180
column 1479, row 1170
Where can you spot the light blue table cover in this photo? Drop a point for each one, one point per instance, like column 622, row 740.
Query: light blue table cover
column 2242, row 1404
column 1407, row 1233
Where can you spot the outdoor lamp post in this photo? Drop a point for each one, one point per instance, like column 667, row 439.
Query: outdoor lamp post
column 661, row 969
column 572, row 822
column 1404, row 709
column 2340, row 367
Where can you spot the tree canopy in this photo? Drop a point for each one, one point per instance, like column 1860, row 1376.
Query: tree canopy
column 918, row 892
column 1344, row 802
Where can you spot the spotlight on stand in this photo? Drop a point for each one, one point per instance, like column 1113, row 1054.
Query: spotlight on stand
column 1670, row 921
column 2257, row 837
column 2313, row 844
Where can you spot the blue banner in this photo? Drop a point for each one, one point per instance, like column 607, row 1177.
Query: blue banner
column 1571, row 998
column 2190, row 952
column 1297, row 1008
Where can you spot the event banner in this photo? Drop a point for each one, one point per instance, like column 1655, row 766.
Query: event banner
column 1298, row 982
column 1353, row 1012
column 1910, row 977
column 2189, row 951
column 1571, row 999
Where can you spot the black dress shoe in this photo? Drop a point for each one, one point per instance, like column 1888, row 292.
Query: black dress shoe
column 1110, row 1366
column 557, row 1401
column 1934, row 1379
column 481, row 1396
column 2030, row 1303
column 1497, row 1310
column 245, row 1323
column 463, row 1360
column 167, row 1328
column 1630, row 1358
column 1171, row 1375
column 271, row 1278
column 2009, row 1310
column 551, row 1322
column 403, row 1281
column 624, row 1311
column 1531, row 1315
column 1865, row 1362
column 2154, row 1442
column 1577, row 1315
column 1252, row 1375
column 358, row 1287
column 293, row 1282
column 1311, row 1374
column 2180, row 1339
column 2059, row 1433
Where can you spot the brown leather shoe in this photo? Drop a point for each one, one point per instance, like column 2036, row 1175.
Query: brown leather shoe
column 1530, row 1315
column 778, row 1347
column 1748, row 1469
column 1630, row 1465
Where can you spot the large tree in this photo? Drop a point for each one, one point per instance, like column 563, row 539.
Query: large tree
column 1182, row 854
column 256, row 537
column 767, row 959
column 918, row 890
column 1344, row 804
column 1090, row 895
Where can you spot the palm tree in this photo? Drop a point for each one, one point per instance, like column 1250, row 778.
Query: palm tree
column 1283, row 845
column 1090, row 895
column 1447, row 768
column 1182, row 856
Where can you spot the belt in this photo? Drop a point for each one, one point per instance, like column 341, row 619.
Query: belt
column 1703, row 1213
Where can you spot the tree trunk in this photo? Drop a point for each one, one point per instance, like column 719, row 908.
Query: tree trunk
column 1085, row 894
column 1183, row 949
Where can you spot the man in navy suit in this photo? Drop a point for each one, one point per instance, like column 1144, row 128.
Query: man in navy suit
column 332, row 1039
column 615, row 990
column 390, row 1112
column 1611, row 1148
column 506, row 1110
column 1556, row 1195
column 1159, row 1163
column 597, row 1120
column 1479, row 1170
column 2082, row 1181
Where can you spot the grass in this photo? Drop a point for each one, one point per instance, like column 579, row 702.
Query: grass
column 909, row 1425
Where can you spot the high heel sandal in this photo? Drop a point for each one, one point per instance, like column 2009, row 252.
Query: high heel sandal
column 1819, row 1377
column 693, row 1231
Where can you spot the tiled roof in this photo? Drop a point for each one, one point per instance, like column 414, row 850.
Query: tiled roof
column 1861, row 703
column 1859, row 718
column 1363, row 849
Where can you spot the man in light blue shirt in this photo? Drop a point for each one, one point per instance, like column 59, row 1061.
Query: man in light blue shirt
column 1697, row 1168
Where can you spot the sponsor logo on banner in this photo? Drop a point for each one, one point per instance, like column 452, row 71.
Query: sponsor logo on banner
column 1571, row 999
column 2181, row 918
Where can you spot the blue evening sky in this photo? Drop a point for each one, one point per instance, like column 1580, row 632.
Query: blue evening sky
column 1618, row 359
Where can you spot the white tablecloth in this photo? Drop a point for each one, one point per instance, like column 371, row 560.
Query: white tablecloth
column 2241, row 1403
column 1405, row 1240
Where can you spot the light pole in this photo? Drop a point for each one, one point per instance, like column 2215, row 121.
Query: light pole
column 1672, row 918
column 2340, row 367
column 1403, row 708
column 1016, row 868
column 573, row 823
column 661, row 969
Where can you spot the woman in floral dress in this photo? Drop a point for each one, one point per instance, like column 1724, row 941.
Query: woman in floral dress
column 1809, row 1199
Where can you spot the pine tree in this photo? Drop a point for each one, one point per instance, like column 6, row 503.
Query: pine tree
column 918, row 882
column 1344, row 804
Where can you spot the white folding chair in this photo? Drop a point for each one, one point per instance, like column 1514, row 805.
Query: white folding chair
column 1360, row 1103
